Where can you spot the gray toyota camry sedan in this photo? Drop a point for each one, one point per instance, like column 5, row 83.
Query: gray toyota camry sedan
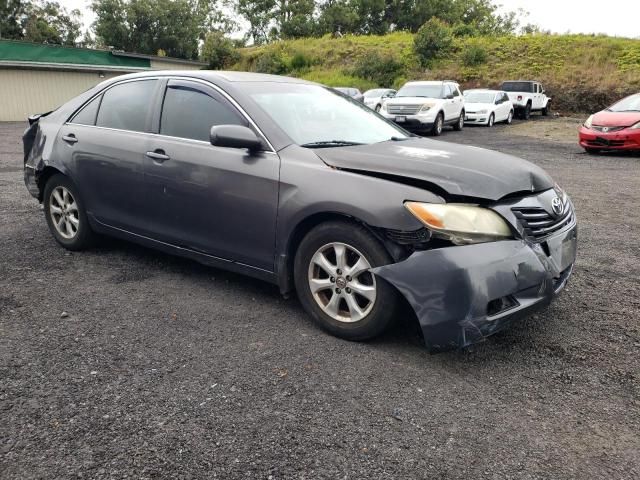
column 293, row 183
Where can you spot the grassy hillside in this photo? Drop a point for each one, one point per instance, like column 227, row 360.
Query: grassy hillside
column 582, row 73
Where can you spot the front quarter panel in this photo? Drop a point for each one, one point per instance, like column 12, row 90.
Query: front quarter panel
column 309, row 186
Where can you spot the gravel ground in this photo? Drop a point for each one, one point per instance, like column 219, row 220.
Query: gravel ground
column 162, row 368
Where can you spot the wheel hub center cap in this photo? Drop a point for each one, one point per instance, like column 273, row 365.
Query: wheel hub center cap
column 341, row 282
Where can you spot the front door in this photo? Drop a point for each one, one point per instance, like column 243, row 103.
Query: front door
column 220, row 201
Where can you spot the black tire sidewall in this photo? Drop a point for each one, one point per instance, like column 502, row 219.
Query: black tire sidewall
column 361, row 239
column 84, row 236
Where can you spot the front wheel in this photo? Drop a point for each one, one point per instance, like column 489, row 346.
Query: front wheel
column 526, row 113
column 510, row 118
column 460, row 123
column 66, row 214
column 436, row 130
column 546, row 110
column 491, row 120
column 592, row 151
column 335, row 285
column 378, row 107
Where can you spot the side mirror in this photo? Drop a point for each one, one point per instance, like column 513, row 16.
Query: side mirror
column 449, row 96
column 498, row 101
column 234, row 136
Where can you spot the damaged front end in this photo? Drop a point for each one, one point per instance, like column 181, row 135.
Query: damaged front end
column 462, row 294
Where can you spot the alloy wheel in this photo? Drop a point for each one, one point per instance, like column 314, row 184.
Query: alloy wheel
column 64, row 212
column 341, row 283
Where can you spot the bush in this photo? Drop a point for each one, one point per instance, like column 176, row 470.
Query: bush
column 474, row 55
column 433, row 40
column 300, row 61
column 219, row 51
column 271, row 62
column 382, row 70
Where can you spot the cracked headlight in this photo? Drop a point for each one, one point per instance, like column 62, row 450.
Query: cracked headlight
column 462, row 224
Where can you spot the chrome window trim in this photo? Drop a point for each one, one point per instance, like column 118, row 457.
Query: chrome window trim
column 176, row 77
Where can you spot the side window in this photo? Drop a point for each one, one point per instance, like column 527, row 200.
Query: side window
column 455, row 91
column 87, row 116
column 189, row 111
column 126, row 106
column 505, row 97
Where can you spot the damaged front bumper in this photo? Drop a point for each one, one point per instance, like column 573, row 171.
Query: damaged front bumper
column 463, row 294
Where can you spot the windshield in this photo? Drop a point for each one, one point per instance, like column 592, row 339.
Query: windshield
column 479, row 97
column 427, row 91
column 629, row 104
column 376, row 92
column 311, row 114
column 518, row 87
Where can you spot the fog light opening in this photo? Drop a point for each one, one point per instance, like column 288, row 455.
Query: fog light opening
column 499, row 305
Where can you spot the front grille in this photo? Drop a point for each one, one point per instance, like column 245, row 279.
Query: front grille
column 598, row 128
column 538, row 224
column 403, row 109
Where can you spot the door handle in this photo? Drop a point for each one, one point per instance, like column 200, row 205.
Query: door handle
column 71, row 138
column 158, row 156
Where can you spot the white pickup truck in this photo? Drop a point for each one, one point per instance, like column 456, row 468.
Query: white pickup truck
column 527, row 96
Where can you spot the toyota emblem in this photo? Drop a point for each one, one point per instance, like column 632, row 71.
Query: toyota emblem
column 557, row 206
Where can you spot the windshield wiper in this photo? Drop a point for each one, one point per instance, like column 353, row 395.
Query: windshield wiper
column 330, row 143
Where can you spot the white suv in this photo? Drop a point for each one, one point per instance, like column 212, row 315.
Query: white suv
column 425, row 107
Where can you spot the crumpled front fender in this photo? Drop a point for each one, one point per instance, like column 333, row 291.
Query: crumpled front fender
column 450, row 288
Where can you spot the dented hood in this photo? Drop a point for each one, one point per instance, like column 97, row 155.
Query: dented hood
column 456, row 169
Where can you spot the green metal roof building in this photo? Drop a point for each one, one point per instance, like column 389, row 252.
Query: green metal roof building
column 36, row 78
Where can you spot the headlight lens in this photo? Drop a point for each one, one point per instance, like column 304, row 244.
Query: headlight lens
column 460, row 223
column 426, row 107
column 589, row 122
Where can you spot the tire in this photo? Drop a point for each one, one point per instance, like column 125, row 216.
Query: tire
column 66, row 215
column 333, row 311
column 509, row 120
column 592, row 151
column 459, row 125
column 378, row 107
column 546, row 110
column 526, row 113
column 436, row 130
column 491, row 120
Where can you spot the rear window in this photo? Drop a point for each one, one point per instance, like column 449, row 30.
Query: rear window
column 87, row 116
column 126, row 106
column 517, row 87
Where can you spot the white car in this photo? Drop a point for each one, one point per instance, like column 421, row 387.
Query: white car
column 527, row 96
column 486, row 107
column 375, row 97
column 426, row 106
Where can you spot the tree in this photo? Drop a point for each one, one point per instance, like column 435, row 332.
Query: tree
column 219, row 51
column 274, row 19
column 147, row 26
column 39, row 21
column 433, row 40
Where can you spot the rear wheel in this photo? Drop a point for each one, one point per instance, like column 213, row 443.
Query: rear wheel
column 491, row 120
column 66, row 214
column 460, row 123
column 436, row 130
column 335, row 286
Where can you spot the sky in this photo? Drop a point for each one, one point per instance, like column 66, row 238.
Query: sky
column 617, row 18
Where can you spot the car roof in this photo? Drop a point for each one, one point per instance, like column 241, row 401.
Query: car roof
column 487, row 90
column 219, row 75
column 430, row 82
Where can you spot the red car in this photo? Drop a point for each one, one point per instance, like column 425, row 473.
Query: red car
column 614, row 128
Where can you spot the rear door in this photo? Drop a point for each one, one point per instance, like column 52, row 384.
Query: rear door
column 106, row 140
column 220, row 201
